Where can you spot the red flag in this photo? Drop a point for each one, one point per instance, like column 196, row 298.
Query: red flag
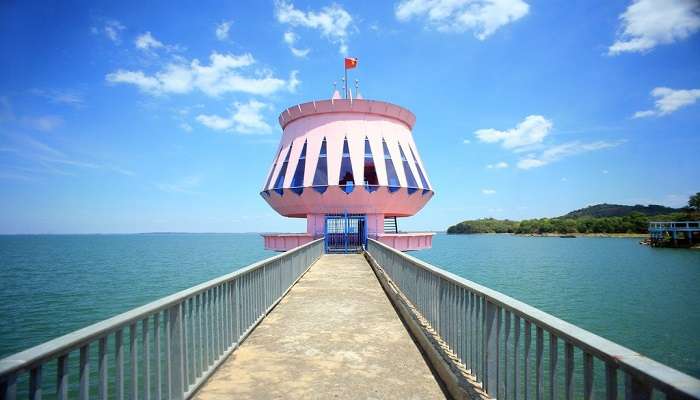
column 350, row 62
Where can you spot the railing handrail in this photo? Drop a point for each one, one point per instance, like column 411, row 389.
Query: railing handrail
column 673, row 222
column 630, row 361
column 56, row 347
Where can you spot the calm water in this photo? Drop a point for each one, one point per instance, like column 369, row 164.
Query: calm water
column 646, row 299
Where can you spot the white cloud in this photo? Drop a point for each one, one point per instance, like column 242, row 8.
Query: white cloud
column 561, row 151
column 466, row 141
column 112, row 29
column 499, row 165
column 60, row 97
column 332, row 21
column 222, row 75
column 186, row 127
column 44, row 123
column 47, row 159
column 648, row 23
column 488, row 191
column 532, row 130
column 185, row 185
column 668, row 101
column 222, row 30
column 605, row 171
column 146, row 42
column 291, row 38
column 484, row 17
column 245, row 118
column 293, row 82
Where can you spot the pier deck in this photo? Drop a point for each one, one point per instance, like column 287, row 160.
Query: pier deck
column 335, row 335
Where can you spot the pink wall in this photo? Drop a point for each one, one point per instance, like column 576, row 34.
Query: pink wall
column 408, row 241
column 285, row 241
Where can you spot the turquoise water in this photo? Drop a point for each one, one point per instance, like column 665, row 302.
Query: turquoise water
column 646, row 299
column 53, row 284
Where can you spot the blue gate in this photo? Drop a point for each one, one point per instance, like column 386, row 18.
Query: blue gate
column 345, row 233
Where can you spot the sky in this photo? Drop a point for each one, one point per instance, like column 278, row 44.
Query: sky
column 119, row 117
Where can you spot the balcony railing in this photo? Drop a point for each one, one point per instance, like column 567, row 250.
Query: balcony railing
column 490, row 334
column 162, row 350
column 678, row 226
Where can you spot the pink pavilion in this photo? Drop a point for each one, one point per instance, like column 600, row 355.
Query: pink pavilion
column 351, row 168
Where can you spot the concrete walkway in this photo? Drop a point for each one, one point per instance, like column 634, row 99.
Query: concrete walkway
column 335, row 335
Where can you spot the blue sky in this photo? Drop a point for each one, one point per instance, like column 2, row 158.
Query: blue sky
column 148, row 116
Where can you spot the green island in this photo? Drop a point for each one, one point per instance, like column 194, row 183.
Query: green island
column 608, row 219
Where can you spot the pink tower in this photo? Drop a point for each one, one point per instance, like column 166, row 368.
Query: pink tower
column 350, row 167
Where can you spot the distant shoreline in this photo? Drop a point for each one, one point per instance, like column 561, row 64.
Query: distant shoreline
column 603, row 235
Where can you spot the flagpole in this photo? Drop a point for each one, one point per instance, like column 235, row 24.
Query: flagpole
column 346, row 80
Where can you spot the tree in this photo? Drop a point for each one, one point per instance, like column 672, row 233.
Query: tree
column 694, row 201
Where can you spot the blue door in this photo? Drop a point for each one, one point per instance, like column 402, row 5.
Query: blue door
column 345, row 233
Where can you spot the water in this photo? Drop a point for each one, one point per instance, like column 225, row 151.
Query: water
column 51, row 285
column 646, row 299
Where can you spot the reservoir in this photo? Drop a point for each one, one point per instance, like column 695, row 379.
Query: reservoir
column 640, row 297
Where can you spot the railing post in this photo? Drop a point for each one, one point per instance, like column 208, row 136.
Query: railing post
column 102, row 369
column 491, row 349
column 587, row 376
column 8, row 388
column 35, row 378
column 175, row 334
column 133, row 353
column 84, row 392
column 610, row 381
column 637, row 389
column 62, row 377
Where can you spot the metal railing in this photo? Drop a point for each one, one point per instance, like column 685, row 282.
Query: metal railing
column 173, row 344
column 491, row 335
column 677, row 225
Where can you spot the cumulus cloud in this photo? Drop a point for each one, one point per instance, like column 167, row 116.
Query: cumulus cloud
column 499, row 165
column 558, row 152
column 222, row 30
column 483, row 17
column 333, row 22
column 244, row 118
column 668, row 101
column 146, row 42
column 466, row 141
column 649, row 23
column 488, row 191
column 291, row 38
column 532, row 130
column 222, row 75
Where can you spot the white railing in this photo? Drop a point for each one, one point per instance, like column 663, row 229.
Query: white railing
column 678, row 225
column 491, row 335
column 172, row 346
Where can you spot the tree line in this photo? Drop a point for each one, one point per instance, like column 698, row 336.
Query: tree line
column 635, row 222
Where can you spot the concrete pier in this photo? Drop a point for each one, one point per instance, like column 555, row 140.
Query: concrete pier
column 335, row 335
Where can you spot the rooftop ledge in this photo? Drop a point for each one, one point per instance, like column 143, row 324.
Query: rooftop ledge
column 359, row 106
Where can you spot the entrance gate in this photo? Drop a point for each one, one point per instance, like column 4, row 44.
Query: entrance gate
column 345, row 233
